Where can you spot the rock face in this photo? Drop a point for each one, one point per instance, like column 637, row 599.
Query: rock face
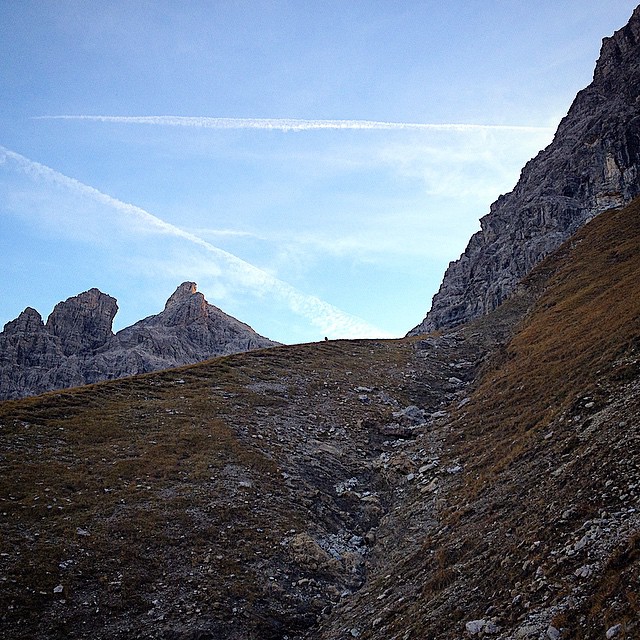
column 77, row 345
column 83, row 323
column 188, row 330
column 591, row 166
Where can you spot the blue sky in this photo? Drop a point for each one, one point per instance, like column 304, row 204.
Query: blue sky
column 299, row 225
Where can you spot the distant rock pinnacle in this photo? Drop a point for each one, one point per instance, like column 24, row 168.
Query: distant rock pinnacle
column 83, row 323
column 185, row 290
column 592, row 165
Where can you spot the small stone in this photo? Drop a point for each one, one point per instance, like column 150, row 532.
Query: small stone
column 580, row 544
column 58, row 589
column 527, row 631
column 584, row 571
column 82, row 532
column 490, row 628
column 432, row 486
column 355, row 633
column 552, row 633
column 612, row 632
column 474, row 626
column 410, row 415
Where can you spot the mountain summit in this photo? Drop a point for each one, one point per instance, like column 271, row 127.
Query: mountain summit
column 77, row 345
column 592, row 165
column 183, row 292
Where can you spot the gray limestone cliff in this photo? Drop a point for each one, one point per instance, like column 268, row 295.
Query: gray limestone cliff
column 591, row 166
column 77, row 346
column 83, row 323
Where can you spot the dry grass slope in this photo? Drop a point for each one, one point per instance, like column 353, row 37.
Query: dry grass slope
column 541, row 528
column 583, row 332
column 274, row 494
column 164, row 501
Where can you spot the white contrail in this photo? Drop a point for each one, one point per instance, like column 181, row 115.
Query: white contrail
column 292, row 124
column 328, row 319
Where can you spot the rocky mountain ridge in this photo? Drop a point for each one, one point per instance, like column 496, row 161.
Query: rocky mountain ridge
column 592, row 165
column 77, row 345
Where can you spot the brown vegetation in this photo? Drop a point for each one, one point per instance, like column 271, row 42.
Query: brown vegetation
column 284, row 493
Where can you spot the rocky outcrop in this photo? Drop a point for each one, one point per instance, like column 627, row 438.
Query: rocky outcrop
column 77, row 345
column 591, row 166
column 27, row 352
column 83, row 323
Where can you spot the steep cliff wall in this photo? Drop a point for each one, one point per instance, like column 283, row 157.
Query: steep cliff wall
column 591, row 166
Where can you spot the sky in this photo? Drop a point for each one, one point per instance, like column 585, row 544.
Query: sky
column 312, row 166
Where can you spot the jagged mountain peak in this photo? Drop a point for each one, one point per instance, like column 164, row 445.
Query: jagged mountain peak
column 77, row 345
column 28, row 320
column 182, row 293
column 83, row 322
column 618, row 47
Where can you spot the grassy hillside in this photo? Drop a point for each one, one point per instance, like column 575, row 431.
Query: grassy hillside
column 372, row 489
column 201, row 500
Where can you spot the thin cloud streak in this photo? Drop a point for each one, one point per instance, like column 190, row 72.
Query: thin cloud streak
column 328, row 319
column 292, row 124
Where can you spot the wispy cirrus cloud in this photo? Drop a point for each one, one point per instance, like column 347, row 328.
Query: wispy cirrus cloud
column 327, row 318
column 291, row 124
